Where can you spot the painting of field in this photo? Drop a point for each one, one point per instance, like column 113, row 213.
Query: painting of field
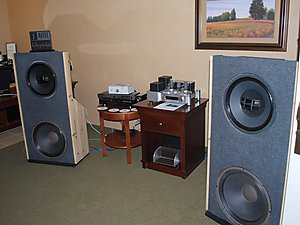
column 241, row 28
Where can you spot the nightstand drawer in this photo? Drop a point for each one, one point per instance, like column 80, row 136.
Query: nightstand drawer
column 164, row 124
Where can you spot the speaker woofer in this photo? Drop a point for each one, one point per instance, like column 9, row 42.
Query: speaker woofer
column 242, row 197
column 48, row 139
column 41, row 79
column 249, row 104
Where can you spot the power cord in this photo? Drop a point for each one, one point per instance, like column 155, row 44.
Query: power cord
column 3, row 95
column 97, row 131
column 94, row 149
column 138, row 122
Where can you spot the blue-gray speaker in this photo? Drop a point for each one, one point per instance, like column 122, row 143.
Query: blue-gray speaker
column 251, row 105
column 53, row 122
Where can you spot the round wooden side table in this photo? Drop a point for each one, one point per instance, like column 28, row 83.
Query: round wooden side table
column 119, row 139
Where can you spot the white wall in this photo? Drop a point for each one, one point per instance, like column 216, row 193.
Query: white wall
column 126, row 41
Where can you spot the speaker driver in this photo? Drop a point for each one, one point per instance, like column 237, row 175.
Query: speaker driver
column 242, row 197
column 48, row 139
column 249, row 104
column 41, row 79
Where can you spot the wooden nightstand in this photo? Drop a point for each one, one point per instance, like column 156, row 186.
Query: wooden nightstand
column 182, row 129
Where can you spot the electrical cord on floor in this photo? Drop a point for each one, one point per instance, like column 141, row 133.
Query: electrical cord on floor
column 138, row 122
column 3, row 95
column 94, row 149
column 97, row 131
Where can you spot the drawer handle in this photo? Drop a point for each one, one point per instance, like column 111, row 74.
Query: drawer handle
column 160, row 123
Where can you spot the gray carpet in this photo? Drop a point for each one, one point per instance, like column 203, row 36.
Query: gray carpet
column 97, row 191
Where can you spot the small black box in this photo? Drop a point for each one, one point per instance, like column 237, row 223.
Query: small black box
column 165, row 79
column 157, row 86
column 179, row 84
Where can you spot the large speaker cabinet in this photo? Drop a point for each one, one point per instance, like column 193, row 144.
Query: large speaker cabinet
column 53, row 122
column 291, row 203
column 251, row 129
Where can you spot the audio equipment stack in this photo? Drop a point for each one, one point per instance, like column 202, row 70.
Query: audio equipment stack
column 120, row 100
column 168, row 90
column 53, row 122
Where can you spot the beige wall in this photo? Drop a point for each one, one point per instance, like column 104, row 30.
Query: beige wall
column 126, row 41
column 4, row 30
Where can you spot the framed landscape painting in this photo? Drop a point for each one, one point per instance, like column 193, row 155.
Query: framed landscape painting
column 259, row 25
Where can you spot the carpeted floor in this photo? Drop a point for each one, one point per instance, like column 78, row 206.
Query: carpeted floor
column 97, row 191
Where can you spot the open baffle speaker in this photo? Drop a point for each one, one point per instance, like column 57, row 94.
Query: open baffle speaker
column 251, row 112
column 54, row 123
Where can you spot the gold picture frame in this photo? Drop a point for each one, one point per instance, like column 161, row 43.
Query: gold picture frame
column 241, row 25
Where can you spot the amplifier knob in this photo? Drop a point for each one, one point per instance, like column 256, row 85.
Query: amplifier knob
column 160, row 124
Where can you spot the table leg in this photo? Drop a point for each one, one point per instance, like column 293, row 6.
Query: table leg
column 104, row 153
column 127, row 136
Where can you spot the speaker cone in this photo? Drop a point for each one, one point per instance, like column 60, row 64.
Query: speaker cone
column 242, row 197
column 48, row 139
column 249, row 104
column 41, row 79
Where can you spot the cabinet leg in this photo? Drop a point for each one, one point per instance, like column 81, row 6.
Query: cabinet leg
column 127, row 136
column 104, row 153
